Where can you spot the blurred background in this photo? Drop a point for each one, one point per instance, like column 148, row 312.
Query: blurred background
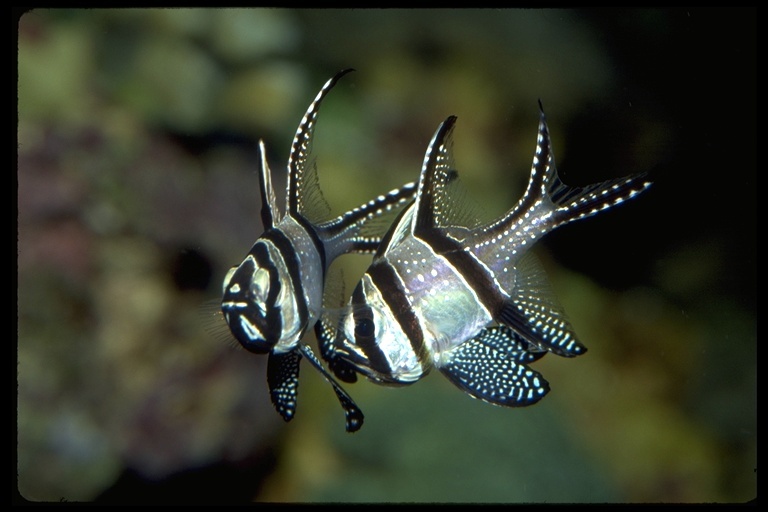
column 137, row 190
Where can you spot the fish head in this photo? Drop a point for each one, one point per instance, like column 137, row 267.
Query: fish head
column 258, row 303
column 372, row 339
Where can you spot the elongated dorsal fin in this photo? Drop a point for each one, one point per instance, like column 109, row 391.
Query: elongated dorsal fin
column 302, row 174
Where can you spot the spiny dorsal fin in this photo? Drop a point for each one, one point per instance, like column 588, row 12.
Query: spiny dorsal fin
column 302, row 173
column 270, row 213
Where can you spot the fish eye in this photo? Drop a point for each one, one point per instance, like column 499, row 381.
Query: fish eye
column 364, row 328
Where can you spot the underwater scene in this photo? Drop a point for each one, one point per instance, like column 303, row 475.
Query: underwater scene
column 155, row 147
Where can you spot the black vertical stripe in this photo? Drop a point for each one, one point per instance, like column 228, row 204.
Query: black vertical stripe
column 288, row 251
column 319, row 245
column 362, row 312
column 273, row 316
column 385, row 278
column 474, row 273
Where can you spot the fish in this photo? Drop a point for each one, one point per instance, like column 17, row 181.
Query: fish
column 275, row 295
column 469, row 298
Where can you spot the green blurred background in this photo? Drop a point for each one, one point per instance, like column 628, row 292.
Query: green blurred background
column 137, row 190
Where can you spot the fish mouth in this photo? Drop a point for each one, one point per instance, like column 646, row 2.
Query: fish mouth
column 247, row 329
column 353, row 355
column 362, row 364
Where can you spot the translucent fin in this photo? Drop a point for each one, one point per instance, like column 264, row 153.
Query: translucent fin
column 491, row 367
column 283, row 381
column 314, row 207
column 353, row 414
column 442, row 200
column 461, row 210
column 535, row 313
column 303, row 188
column 212, row 321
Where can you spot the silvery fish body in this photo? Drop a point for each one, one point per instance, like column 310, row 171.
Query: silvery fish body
column 275, row 295
column 443, row 292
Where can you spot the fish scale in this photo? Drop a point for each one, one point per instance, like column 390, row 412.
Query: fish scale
column 465, row 297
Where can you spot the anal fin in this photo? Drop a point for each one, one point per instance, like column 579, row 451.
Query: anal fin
column 491, row 367
column 510, row 345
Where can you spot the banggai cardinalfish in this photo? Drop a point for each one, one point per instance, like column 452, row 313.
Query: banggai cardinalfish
column 275, row 295
column 446, row 292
